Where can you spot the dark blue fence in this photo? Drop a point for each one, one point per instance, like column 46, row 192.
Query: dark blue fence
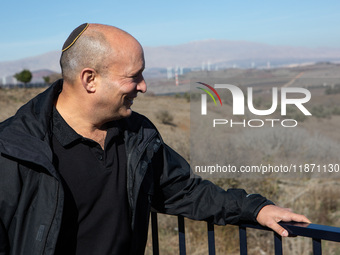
column 314, row 231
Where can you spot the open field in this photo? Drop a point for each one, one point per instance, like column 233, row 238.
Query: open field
column 317, row 198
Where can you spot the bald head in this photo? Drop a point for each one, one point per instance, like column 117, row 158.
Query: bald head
column 99, row 47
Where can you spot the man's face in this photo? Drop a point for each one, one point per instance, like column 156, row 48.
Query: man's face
column 119, row 87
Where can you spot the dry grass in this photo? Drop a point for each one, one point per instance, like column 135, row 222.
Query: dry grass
column 12, row 99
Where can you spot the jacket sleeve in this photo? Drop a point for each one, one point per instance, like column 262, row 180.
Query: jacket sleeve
column 179, row 192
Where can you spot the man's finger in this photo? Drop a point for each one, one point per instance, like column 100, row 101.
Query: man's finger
column 295, row 217
column 300, row 218
column 278, row 229
column 287, row 209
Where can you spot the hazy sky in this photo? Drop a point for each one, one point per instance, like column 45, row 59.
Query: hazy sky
column 33, row 27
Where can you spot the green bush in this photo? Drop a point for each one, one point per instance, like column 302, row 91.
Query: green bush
column 24, row 76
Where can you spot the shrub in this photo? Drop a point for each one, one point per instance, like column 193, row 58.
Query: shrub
column 321, row 112
column 165, row 117
column 333, row 89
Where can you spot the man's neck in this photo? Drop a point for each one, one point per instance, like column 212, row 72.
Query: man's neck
column 77, row 117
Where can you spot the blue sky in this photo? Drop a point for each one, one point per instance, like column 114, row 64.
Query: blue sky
column 30, row 28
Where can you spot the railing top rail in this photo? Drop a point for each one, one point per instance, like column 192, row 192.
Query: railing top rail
column 316, row 231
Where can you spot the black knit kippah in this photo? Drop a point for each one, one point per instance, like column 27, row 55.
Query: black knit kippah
column 76, row 33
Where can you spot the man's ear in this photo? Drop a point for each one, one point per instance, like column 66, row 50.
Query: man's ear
column 88, row 77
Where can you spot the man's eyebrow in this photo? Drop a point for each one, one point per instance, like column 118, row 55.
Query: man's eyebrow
column 137, row 73
column 141, row 70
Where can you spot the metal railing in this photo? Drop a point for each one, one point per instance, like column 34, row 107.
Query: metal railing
column 314, row 231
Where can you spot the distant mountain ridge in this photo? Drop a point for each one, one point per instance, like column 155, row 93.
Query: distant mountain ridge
column 197, row 54
column 49, row 61
column 221, row 52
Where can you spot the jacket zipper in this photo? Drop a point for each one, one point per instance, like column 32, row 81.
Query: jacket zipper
column 132, row 203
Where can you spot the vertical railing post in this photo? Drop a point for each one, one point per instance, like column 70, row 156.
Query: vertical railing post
column 243, row 240
column 317, row 250
column 154, row 227
column 211, row 238
column 181, row 235
column 277, row 244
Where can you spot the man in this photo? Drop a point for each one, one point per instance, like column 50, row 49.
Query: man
column 80, row 171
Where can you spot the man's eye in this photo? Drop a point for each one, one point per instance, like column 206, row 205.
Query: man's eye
column 137, row 76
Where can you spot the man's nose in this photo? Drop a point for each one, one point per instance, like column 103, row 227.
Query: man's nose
column 141, row 86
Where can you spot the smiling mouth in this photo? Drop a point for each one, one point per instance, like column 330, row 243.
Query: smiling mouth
column 130, row 100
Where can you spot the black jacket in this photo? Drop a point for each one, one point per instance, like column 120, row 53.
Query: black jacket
column 31, row 194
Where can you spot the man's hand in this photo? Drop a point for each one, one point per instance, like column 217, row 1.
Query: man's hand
column 270, row 215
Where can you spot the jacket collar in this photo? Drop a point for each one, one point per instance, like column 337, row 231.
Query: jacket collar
column 26, row 135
